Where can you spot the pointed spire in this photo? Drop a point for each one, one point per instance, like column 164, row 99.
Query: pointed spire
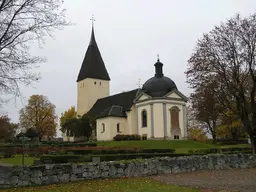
column 92, row 41
column 93, row 65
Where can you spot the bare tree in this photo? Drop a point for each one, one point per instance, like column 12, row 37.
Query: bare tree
column 21, row 23
column 228, row 51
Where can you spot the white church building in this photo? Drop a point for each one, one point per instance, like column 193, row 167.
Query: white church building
column 156, row 111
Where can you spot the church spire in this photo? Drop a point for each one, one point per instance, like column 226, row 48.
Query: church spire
column 158, row 68
column 92, row 41
column 93, row 65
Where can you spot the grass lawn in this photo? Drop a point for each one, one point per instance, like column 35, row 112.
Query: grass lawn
column 181, row 146
column 17, row 160
column 110, row 185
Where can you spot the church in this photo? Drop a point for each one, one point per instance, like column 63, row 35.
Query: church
column 155, row 111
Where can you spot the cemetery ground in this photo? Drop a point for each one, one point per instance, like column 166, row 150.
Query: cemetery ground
column 232, row 180
column 180, row 147
column 109, row 185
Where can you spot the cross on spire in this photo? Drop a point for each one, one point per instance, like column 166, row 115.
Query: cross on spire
column 92, row 19
column 138, row 83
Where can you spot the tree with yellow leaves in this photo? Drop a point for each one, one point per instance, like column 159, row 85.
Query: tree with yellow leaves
column 39, row 114
column 67, row 118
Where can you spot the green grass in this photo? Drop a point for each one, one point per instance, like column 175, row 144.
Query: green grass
column 17, row 160
column 109, row 185
column 179, row 145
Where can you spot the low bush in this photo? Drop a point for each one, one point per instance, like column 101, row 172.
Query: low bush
column 60, row 158
column 118, row 151
column 127, row 137
column 55, row 159
column 232, row 142
column 220, row 150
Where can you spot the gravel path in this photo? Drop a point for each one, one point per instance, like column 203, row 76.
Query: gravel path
column 241, row 180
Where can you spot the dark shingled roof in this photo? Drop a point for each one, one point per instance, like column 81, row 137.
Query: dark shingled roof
column 93, row 65
column 111, row 105
column 114, row 111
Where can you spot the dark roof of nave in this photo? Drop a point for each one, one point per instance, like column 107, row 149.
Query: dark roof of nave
column 113, row 111
column 93, row 65
column 112, row 104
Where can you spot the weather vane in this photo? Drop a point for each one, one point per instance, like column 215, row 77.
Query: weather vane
column 92, row 19
column 158, row 57
column 138, row 84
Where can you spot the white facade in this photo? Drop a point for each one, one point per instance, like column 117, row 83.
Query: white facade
column 158, row 119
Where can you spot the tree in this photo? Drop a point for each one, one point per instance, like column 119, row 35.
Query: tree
column 39, row 114
column 78, row 127
column 7, row 129
column 21, row 23
column 206, row 106
column 67, row 118
column 228, row 52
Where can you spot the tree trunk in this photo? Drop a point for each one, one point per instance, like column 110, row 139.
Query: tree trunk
column 253, row 144
column 214, row 140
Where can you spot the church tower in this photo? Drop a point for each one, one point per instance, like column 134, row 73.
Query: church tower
column 93, row 78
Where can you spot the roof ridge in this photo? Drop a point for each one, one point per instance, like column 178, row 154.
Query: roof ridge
column 118, row 94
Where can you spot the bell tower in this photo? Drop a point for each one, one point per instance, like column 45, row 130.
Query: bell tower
column 93, row 78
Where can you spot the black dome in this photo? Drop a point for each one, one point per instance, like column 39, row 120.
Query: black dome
column 159, row 85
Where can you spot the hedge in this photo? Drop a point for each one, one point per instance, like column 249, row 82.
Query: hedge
column 127, row 137
column 60, row 158
column 55, row 159
column 118, row 151
column 232, row 142
column 220, row 150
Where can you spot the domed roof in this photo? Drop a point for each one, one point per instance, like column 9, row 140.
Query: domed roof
column 159, row 85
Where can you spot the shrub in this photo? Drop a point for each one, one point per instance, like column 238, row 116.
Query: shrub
column 127, row 137
column 118, row 151
column 220, row 150
column 60, row 158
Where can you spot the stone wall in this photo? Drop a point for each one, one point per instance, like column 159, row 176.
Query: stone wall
column 61, row 173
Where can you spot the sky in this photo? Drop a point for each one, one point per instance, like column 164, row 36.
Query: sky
column 130, row 34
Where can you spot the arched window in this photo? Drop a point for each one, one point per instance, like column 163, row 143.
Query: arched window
column 102, row 128
column 118, row 128
column 175, row 123
column 144, row 118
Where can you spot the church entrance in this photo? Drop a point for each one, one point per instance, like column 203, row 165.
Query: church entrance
column 175, row 124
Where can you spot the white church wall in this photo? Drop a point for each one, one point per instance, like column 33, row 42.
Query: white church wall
column 122, row 126
column 143, row 97
column 88, row 92
column 144, row 130
column 110, row 124
column 161, row 118
column 174, row 95
column 131, row 121
column 158, row 120
column 103, row 134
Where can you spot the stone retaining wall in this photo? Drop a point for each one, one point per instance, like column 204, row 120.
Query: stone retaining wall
column 61, row 173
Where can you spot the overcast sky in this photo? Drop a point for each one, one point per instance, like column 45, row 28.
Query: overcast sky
column 130, row 34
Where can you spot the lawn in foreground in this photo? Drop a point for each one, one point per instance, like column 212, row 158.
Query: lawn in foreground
column 17, row 160
column 108, row 185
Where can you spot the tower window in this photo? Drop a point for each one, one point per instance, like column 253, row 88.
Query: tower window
column 95, row 83
column 100, row 83
column 118, row 128
column 144, row 118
